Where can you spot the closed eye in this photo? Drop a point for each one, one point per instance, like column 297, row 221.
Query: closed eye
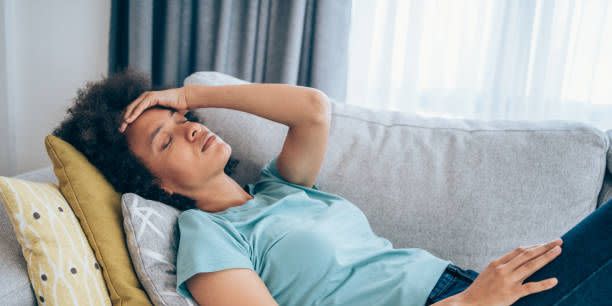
column 167, row 143
column 170, row 139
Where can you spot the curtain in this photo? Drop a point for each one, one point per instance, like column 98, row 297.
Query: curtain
column 294, row 42
column 484, row 59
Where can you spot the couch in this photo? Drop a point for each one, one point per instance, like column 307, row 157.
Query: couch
column 465, row 190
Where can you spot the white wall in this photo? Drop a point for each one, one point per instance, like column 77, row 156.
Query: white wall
column 51, row 49
column 7, row 137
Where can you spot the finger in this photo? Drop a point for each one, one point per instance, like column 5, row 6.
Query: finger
column 504, row 259
column 139, row 109
column 535, row 287
column 123, row 127
column 510, row 255
column 131, row 106
column 537, row 263
column 526, row 254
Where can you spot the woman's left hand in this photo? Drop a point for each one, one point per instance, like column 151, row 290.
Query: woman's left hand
column 173, row 98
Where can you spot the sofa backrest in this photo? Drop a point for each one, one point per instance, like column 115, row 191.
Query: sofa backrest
column 465, row 190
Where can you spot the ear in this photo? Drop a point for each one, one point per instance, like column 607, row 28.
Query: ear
column 168, row 190
column 163, row 186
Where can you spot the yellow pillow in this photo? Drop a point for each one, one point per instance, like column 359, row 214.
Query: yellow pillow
column 61, row 265
column 98, row 207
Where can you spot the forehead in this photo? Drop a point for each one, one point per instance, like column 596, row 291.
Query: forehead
column 140, row 129
column 151, row 118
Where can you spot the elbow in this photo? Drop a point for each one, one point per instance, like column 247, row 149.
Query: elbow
column 322, row 106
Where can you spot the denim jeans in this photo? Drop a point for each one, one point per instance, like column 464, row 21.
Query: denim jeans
column 584, row 268
column 453, row 281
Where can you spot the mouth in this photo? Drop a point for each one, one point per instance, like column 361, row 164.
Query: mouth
column 208, row 142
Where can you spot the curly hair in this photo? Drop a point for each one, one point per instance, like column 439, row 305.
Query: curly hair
column 91, row 126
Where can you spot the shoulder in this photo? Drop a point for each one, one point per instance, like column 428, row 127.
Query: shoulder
column 188, row 214
column 197, row 217
column 270, row 173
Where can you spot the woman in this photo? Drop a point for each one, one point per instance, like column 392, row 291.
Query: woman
column 281, row 240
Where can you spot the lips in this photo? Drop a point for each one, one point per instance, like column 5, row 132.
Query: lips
column 208, row 142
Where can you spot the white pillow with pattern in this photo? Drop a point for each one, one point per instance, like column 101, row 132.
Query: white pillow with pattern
column 152, row 234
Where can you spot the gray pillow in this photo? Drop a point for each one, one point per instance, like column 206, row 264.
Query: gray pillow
column 152, row 236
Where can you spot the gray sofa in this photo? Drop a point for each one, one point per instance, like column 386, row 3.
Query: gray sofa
column 465, row 190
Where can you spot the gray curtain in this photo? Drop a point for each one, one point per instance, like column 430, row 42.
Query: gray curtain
column 265, row 41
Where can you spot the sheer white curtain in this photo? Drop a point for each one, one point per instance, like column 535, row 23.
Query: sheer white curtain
column 484, row 59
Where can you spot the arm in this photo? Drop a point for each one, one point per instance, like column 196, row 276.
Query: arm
column 305, row 110
column 286, row 104
column 230, row 287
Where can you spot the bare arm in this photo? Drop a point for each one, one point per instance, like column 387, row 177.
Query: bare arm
column 305, row 110
column 283, row 103
column 229, row 288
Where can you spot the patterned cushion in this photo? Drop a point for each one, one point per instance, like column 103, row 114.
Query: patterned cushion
column 153, row 236
column 61, row 264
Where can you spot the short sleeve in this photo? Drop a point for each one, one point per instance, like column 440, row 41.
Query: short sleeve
column 207, row 244
column 270, row 172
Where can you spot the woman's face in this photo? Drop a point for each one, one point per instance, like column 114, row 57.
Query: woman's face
column 171, row 148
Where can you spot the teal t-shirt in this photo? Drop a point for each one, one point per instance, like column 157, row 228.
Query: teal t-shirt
column 309, row 247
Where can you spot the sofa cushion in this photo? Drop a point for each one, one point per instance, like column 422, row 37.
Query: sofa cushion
column 98, row 208
column 153, row 236
column 61, row 264
column 465, row 190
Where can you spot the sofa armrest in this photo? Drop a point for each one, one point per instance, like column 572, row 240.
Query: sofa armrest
column 44, row 175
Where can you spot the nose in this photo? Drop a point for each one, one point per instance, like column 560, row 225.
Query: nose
column 193, row 131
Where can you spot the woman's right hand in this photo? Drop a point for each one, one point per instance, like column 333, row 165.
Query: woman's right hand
column 501, row 282
column 175, row 98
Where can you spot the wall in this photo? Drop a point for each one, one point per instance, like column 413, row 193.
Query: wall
column 48, row 49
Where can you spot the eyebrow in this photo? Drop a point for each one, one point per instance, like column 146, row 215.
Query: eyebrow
column 154, row 134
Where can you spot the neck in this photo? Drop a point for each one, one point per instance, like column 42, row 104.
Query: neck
column 220, row 194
